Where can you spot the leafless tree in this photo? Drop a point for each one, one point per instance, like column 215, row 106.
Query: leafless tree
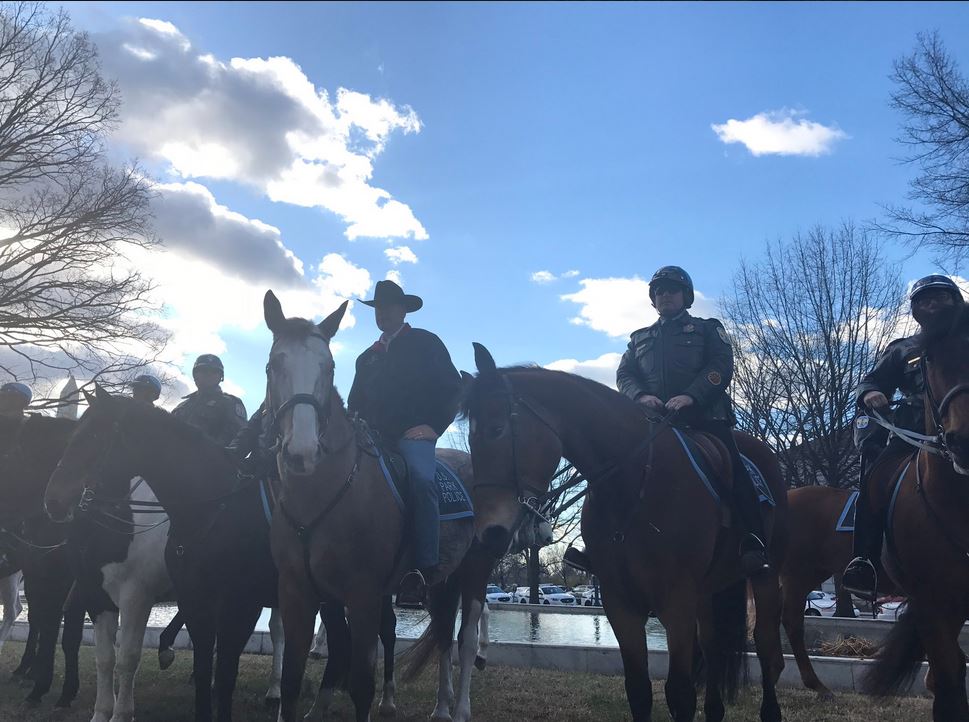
column 933, row 97
column 808, row 321
column 71, row 300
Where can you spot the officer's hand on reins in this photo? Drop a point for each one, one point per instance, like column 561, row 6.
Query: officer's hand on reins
column 678, row 403
column 651, row 402
column 875, row 400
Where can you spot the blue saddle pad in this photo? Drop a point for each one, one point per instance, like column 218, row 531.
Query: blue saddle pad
column 699, row 463
column 846, row 522
column 454, row 502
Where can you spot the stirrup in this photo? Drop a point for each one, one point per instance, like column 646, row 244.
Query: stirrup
column 577, row 559
column 412, row 590
column 753, row 555
column 861, row 579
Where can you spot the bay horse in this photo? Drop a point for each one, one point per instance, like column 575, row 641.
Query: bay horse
column 926, row 502
column 30, row 448
column 339, row 534
column 217, row 553
column 654, row 533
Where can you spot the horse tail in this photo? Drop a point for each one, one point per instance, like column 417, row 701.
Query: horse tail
column 730, row 633
column 442, row 604
column 897, row 661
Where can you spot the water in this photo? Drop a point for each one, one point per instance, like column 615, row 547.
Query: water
column 588, row 630
column 584, row 630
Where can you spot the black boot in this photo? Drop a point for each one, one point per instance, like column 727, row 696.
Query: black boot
column 753, row 556
column 861, row 579
column 577, row 559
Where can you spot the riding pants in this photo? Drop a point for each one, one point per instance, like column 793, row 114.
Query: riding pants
column 745, row 496
column 424, row 493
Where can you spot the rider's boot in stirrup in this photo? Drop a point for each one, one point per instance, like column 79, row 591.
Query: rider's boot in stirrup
column 753, row 556
column 861, row 579
column 577, row 559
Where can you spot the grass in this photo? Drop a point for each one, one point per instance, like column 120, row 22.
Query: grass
column 498, row 693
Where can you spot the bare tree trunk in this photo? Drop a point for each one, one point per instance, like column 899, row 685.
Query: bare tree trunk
column 533, row 574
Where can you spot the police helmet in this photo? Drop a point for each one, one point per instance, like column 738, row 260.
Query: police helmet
column 149, row 381
column 935, row 281
column 15, row 387
column 208, row 361
column 672, row 274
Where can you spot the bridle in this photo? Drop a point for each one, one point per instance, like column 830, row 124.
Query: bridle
column 322, row 409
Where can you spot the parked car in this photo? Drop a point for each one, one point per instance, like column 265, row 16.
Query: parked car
column 890, row 608
column 589, row 599
column 581, row 590
column 821, row 604
column 547, row 594
column 493, row 593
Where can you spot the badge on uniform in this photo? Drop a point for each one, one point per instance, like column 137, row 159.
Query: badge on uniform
column 723, row 335
column 714, row 378
column 689, row 328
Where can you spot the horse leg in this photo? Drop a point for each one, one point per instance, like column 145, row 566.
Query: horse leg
column 629, row 626
column 105, row 632
column 481, row 659
column 71, row 646
column 42, row 670
column 277, row 636
column 200, row 619
column 338, row 661
column 445, row 690
column 388, row 638
column 10, row 596
column 299, row 614
column 793, row 593
column 235, row 627
column 30, row 648
column 713, row 708
column 471, row 613
column 681, row 625
column 166, row 640
column 364, row 618
column 319, row 649
column 939, row 634
column 134, row 619
column 767, row 640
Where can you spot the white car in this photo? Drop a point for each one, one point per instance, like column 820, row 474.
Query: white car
column 891, row 609
column 820, row 604
column 494, row 594
column 547, row 594
column 588, row 598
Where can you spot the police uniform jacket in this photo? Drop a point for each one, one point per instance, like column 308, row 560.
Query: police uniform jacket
column 683, row 355
column 899, row 368
column 412, row 382
column 219, row 415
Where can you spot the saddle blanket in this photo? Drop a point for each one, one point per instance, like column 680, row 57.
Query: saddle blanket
column 701, row 466
column 846, row 522
column 454, row 502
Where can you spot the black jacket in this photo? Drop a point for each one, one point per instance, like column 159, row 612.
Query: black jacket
column 685, row 355
column 899, row 368
column 218, row 414
column 412, row 383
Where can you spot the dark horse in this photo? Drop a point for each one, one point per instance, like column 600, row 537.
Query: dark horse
column 338, row 534
column 31, row 448
column 655, row 535
column 218, row 551
column 926, row 500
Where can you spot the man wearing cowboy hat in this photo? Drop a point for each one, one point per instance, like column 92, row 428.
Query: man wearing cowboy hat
column 407, row 390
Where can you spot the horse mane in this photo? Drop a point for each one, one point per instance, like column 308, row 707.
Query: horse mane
column 487, row 382
column 295, row 327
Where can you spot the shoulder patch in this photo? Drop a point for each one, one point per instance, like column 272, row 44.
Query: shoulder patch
column 722, row 333
column 714, row 378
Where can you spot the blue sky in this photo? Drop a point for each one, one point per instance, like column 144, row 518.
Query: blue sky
column 518, row 138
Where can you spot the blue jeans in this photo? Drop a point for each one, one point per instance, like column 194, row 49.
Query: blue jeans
column 424, row 492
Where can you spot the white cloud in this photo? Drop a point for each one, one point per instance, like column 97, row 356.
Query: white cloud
column 618, row 306
column 780, row 132
column 394, row 275
column 401, row 254
column 258, row 121
column 602, row 369
column 543, row 277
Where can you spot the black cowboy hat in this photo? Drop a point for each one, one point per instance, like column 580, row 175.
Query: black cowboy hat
column 390, row 292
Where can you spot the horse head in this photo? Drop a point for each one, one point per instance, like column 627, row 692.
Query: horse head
column 515, row 450
column 95, row 457
column 946, row 367
column 299, row 384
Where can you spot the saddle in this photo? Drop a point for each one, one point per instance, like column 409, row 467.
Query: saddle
column 454, row 502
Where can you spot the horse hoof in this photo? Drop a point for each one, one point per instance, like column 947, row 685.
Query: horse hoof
column 31, row 702
column 441, row 718
column 480, row 662
column 387, row 710
column 316, row 655
column 269, row 700
column 166, row 657
column 826, row 696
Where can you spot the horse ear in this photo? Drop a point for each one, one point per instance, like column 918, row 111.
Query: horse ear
column 100, row 393
column 89, row 397
column 466, row 381
column 483, row 359
column 272, row 311
column 331, row 324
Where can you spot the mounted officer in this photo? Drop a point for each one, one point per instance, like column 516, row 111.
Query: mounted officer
column 146, row 388
column 14, row 399
column 682, row 365
column 406, row 388
column 899, row 368
column 218, row 414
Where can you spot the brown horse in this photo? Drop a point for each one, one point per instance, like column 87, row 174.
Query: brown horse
column 338, row 534
column 816, row 550
column 926, row 499
column 655, row 535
